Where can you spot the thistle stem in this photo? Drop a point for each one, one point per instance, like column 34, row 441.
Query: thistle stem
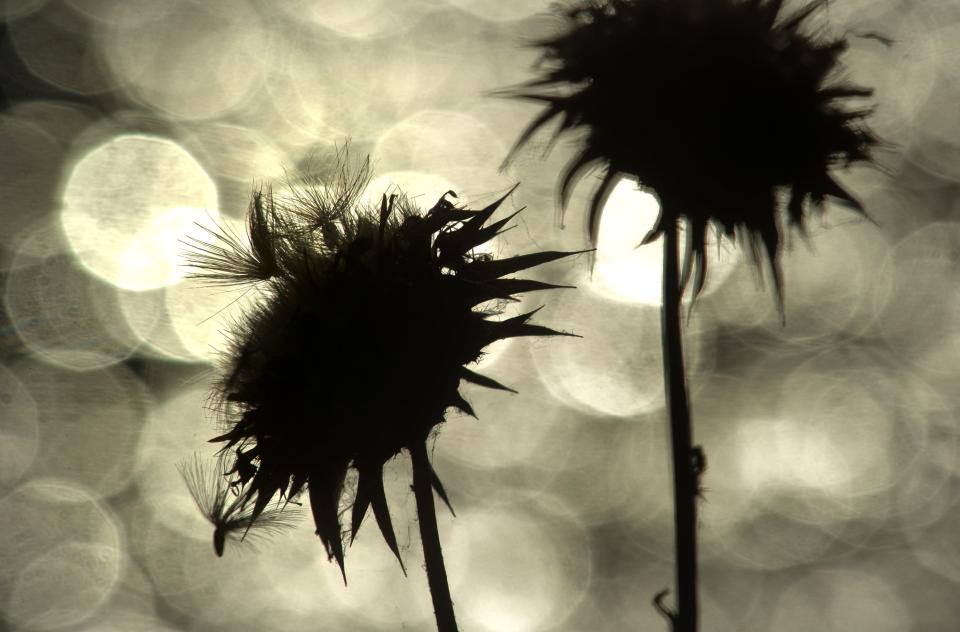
column 430, row 537
column 685, row 619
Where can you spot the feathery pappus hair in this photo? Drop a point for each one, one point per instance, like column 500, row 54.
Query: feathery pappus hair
column 228, row 511
column 372, row 316
column 722, row 107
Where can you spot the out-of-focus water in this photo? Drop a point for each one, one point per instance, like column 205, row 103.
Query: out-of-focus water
column 832, row 498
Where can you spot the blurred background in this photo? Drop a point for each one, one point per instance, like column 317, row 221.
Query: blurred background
column 833, row 447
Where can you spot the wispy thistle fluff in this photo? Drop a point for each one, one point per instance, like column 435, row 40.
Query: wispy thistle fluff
column 723, row 107
column 369, row 325
column 230, row 512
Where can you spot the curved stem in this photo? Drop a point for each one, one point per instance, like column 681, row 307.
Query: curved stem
column 430, row 537
column 681, row 437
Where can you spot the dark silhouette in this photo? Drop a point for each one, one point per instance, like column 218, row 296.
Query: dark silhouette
column 728, row 111
column 228, row 512
column 357, row 353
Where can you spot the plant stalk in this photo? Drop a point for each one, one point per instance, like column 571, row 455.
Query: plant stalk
column 686, row 618
column 430, row 537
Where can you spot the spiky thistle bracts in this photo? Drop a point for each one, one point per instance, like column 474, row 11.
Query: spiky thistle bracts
column 723, row 107
column 371, row 317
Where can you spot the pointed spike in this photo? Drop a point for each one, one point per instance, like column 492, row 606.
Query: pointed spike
column 499, row 224
column 438, row 218
column 259, row 505
column 360, row 504
column 461, row 404
column 483, row 380
column 378, row 500
column 552, row 99
column 770, row 239
column 566, row 122
column 514, row 91
column 496, row 203
column 833, row 189
column 284, row 484
column 800, row 16
column 480, row 217
column 441, row 492
column 487, row 233
column 770, row 11
column 599, row 201
column 383, row 209
column 457, row 243
column 263, row 499
column 699, row 271
column 572, row 174
column 296, row 486
column 777, row 274
column 526, row 329
column 343, row 570
column 700, row 274
column 518, row 326
column 472, row 233
column 528, row 133
column 520, row 286
column 687, row 266
column 227, row 436
column 504, row 289
column 696, row 249
column 327, row 522
column 496, row 268
column 521, row 318
column 509, row 91
column 652, row 235
column 795, row 205
column 844, row 92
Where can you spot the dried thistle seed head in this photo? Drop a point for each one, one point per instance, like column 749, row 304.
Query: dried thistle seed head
column 720, row 106
column 369, row 325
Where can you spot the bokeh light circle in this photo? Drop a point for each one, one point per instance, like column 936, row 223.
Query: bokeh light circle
column 616, row 368
column 127, row 205
column 527, row 564
column 60, row 311
column 624, row 269
column 19, row 430
column 192, row 61
column 89, row 423
column 62, row 551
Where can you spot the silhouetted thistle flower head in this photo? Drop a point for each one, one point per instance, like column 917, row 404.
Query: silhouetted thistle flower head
column 721, row 106
column 369, row 324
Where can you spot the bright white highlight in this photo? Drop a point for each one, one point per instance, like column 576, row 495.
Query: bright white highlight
column 127, row 205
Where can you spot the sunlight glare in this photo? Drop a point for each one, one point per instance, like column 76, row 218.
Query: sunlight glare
column 126, row 205
column 627, row 271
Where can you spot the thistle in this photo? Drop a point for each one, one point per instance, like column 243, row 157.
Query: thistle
column 371, row 319
column 728, row 110
column 721, row 107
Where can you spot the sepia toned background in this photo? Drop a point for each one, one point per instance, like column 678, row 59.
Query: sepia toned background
column 832, row 494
